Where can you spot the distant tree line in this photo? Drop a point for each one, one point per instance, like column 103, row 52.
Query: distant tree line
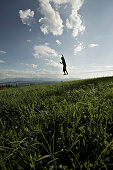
column 3, row 86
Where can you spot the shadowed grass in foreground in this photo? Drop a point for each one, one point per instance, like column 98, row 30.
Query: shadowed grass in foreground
column 57, row 126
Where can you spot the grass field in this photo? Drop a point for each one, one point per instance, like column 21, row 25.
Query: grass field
column 67, row 125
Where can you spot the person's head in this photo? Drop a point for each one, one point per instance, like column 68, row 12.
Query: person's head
column 62, row 57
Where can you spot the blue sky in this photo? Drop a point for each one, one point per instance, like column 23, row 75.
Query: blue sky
column 34, row 34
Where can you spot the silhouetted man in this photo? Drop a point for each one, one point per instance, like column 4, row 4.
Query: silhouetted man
column 64, row 65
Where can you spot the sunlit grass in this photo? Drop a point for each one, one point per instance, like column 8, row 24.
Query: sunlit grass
column 57, row 126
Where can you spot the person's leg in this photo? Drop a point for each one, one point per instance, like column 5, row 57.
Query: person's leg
column 66, row 72
column 64, row 69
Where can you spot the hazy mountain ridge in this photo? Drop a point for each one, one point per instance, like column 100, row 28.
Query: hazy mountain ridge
column 30, row 81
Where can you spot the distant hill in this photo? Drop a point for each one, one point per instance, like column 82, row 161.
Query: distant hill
column 31, row 81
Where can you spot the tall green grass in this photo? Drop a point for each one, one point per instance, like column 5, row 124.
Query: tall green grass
column 57, row 126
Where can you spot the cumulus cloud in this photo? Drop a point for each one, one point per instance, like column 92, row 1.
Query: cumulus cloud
column 2, row 61
column 34, row 66
column 74, row 21
column 58, row 42
column 78, row 48
column 53, row 63
column 44, row 50
column 59, row 2
column 51, row 21
column 93, row 45
column 3, row 52
column 27, row 16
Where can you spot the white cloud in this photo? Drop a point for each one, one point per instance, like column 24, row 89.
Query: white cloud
column 74, row 21
column 58, row 42
column 59, row 2
column 91, row 71
column 44, row 50
column 47, row 43
column 34, row 66
column 13, row 73
column 79, row 48
column 27, row 64
column 27, row 16
column 28, row 40
column 40, row 73
column 2, row 61
column 93, row 45
column 51, row 22
column 3, row 52
column 53, row 63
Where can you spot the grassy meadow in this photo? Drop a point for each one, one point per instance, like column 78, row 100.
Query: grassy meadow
column 66, row 125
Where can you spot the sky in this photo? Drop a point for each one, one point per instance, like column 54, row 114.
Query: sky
column 35, row 33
